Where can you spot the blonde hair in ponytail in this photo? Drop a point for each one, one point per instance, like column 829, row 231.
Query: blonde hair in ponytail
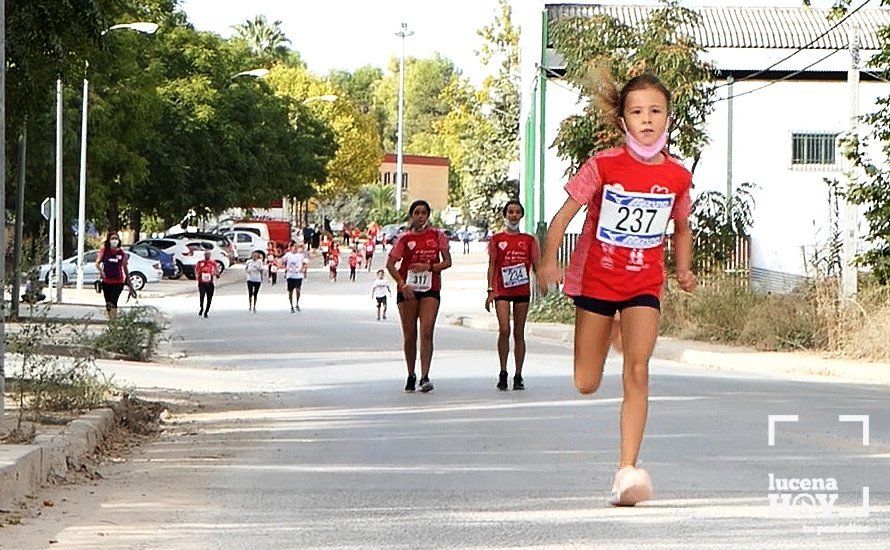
column 601, row 86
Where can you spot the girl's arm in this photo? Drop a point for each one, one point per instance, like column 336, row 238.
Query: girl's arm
column 394, row 272
column 489, row 297
column 547, row 270
column 682, row 241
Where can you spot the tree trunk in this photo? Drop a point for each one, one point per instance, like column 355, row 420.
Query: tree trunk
column 113, row 214
column 136, row 224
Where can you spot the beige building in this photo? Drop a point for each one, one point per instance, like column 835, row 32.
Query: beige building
column 422, row 178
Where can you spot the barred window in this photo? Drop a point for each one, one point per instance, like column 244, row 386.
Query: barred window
column 813, row 148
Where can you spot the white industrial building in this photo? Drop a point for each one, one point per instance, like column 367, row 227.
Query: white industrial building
column 785, row 121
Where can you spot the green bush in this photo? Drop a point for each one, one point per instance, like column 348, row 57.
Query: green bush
column 134, row 334
column 555, row 307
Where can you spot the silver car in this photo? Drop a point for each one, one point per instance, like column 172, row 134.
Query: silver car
column 141, row 270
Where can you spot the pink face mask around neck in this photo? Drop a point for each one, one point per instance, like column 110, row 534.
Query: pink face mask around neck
column 646, row 152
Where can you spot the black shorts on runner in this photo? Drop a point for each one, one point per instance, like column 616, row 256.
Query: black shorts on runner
column 294, row 284
column 608, row 308
column 420, row 296
column 524, row 299
column 381, row 300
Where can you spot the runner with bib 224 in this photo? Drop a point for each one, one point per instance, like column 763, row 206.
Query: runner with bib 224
column 632, row 193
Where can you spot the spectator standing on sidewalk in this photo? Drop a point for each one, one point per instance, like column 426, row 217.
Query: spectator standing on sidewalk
column 512, row 256
column 206, row 273
column 112, row 264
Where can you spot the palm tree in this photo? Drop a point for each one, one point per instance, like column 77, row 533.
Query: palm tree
column 382, row 196
column 262, row 38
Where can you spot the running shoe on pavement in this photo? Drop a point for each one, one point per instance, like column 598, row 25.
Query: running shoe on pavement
column 411, row 383
column 425, row 385
column 502, row 381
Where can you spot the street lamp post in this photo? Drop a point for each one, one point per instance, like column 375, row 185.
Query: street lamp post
column 143, row 27
column 404, row 33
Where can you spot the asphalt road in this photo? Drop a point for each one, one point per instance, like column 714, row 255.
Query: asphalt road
column 292, row 431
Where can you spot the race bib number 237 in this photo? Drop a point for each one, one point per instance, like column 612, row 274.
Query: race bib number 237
column 633, row 220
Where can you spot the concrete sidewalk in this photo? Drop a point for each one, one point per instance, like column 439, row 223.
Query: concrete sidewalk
column 720, row 357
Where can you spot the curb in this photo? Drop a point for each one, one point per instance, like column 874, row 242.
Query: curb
column 722, row 357
column 25, row 468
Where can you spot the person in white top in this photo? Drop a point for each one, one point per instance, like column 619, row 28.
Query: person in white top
column 380, row 291
column 254, row 269
column 295, row 265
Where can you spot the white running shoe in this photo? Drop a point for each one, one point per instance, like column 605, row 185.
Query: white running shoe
column 631, row 486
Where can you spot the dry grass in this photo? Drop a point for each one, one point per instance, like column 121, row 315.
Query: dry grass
column 812, row 319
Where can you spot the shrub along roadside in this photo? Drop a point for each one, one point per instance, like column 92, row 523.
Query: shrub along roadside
column 134, row 334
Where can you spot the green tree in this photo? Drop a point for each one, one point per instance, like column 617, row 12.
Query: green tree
column 871, row 188
column 357, row 160
column 266, row 41
column 656, row 45
column 425, row 80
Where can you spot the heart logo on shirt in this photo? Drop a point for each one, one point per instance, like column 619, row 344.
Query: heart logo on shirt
column 502, row 245
column 660, row 189
column 411, row 245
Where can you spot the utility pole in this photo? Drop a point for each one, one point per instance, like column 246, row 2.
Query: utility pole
column 729, row 93
column 82, row 194
column 404, row 33
column 848, row 210
column 19, row 222
column 2, row 200
column 59, row 193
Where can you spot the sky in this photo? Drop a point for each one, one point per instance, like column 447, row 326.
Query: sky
column 347, row 34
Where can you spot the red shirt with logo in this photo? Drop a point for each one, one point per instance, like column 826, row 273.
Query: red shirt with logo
column 513, row 255
column 610, row 263
column 353, row 259
column 114, row 264
column 423, row 247
column 206, row 271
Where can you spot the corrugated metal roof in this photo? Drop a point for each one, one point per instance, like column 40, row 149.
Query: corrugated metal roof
column 740, row 27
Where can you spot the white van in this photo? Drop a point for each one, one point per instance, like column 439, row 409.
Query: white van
column 259, row 229
column 246, row 243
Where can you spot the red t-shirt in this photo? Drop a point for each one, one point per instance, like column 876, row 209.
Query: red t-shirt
column 353, row 260
column 620, row 254
column 114, row 263
column 423, row 247
column 513, row 255
column 369, row 246
column 206, row 271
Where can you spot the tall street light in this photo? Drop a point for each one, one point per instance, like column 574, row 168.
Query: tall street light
column 139, row 26
column 404, row 33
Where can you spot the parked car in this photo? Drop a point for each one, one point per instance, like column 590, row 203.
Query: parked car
column 392, row 231
column 168, row 263
column 246, row 242
column 141, row 270
column 188, row 252
column 221, row 240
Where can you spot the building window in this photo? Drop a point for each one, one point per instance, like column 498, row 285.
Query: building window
column 386, row 178
column 404, row 181
column 813, row 148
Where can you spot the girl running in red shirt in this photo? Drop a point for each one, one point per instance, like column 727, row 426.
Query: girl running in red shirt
column 512, row 256
column 631, row 193
column 422, row 254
